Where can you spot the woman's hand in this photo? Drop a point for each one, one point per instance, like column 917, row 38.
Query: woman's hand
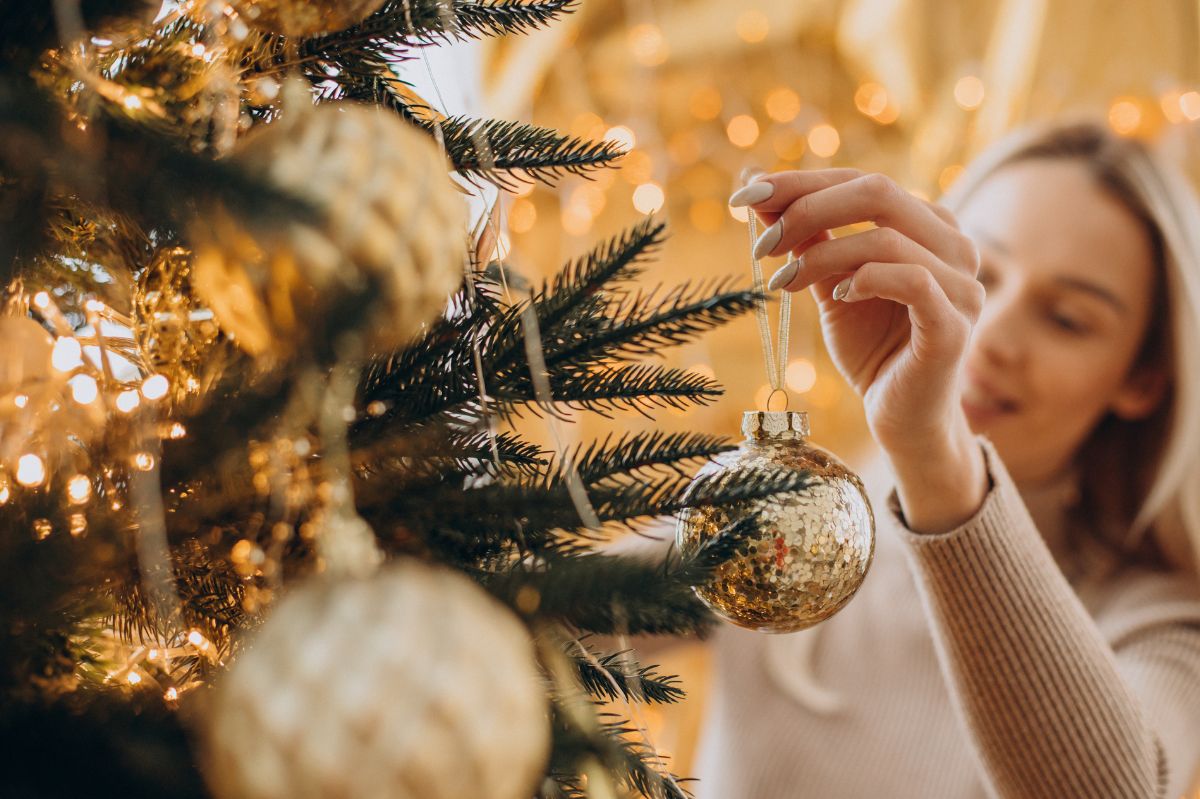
column 897, row 304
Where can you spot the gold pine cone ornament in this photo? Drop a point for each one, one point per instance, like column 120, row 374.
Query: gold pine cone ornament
column 389, row 226
column 412, row 683
column 813, row 547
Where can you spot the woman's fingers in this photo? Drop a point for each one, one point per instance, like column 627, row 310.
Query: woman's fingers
column 826, row 258
column 771, row 193
column 939, row 329
column 802, row 203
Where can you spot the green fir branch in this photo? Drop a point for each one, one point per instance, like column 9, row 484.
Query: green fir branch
column 635, row 452
column 509, row 153
column 605, row 677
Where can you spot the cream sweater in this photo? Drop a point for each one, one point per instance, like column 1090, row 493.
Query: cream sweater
column 968, row 666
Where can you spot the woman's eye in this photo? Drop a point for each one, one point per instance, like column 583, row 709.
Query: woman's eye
column 1067, row 323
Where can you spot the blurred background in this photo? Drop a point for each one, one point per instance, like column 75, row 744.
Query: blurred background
column 701, row 89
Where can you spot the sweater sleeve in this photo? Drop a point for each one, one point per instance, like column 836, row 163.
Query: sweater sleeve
column 1051, row 708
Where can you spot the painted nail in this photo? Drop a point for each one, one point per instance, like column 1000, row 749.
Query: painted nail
column 784, row 275
column 842, row 289
column 769, row 239
column 756, row 192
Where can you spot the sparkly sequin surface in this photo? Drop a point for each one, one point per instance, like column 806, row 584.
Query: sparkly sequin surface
column 814, row 546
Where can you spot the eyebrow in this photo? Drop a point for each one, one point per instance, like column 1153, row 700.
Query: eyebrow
column 1078, row 284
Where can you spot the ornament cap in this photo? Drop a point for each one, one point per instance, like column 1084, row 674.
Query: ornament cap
column 776, row 425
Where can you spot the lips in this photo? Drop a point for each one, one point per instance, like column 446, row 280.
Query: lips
column 982, row 400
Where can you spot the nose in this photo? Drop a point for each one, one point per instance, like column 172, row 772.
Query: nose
column 1000, row 335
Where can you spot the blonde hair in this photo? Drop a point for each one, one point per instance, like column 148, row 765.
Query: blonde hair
column 1137, row 476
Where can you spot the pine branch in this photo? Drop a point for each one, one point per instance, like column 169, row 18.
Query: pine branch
column 635, row 452
column 608, row 595
column 609, row 680
column 496, row 149
column 400, row 24
column 636, row 387
column 645, row 324
column 576, row 294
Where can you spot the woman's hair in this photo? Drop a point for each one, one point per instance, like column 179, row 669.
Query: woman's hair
column 1136, row 476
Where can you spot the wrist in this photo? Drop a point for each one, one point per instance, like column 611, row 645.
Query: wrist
column 943, row 484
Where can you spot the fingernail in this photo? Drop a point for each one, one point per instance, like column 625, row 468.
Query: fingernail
column 769, row 238
column 842, row 289
column 783, row 276
column 756, row 192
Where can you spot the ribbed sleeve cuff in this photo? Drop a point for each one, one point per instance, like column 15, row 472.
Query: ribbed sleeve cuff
column 1038, row 686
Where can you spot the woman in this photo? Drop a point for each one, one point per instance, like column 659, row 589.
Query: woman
column 1028, row 364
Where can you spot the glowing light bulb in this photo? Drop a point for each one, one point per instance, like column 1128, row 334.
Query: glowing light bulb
column 648, row 198
column 171, row 695
column 95, row 306
column 79, row 489
column 800, row 375
column 41, row 300
column 132, row 102
column 177, row 431
column 155, row 387
column 31, row 471
column 127, row 401
column 4, row 494
column 1125, row 116
column 1189, row 104
column 67, row 354
column 824, row 140
column 143, row 461
column 969, row 92
column 84, row 389
column 78, row 526
column 20, row 400
column 742, row 130
column 133, row 678
column 622, row 135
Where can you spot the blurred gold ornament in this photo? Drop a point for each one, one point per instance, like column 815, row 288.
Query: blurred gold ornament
column 305, row 17
column 383, row 686
column 177, row 336
column 388, row 225
column 813, row 547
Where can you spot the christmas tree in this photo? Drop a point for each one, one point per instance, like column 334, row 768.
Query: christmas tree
column 259, row 483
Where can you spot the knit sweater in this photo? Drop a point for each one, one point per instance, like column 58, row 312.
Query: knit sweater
column 968, row 666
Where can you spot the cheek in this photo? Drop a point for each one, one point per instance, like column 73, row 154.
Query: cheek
column 1072, row 382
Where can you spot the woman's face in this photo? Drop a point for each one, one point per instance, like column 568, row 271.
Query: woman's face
column 1070, row 279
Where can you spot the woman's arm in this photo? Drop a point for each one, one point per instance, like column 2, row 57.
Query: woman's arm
column 1052, row 709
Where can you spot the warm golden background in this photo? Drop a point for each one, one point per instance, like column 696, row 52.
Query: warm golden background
column 704, row 88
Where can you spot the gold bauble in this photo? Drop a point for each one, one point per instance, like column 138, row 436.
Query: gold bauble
column 305, row 17
column 177, row 336
column 413, row 683
column 813, row 547
column 387, row 217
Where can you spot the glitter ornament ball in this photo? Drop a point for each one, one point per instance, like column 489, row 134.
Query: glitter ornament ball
column 412, row 683
column 813, row 547
column 388, row 223
column 305, row 17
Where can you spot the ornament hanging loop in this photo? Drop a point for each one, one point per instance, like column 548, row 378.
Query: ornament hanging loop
column 776, row 359
column 771, row 396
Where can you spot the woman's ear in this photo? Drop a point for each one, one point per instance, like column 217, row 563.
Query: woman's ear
column 1141, row 394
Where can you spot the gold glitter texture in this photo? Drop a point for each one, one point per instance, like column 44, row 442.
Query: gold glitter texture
column 813, row 547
